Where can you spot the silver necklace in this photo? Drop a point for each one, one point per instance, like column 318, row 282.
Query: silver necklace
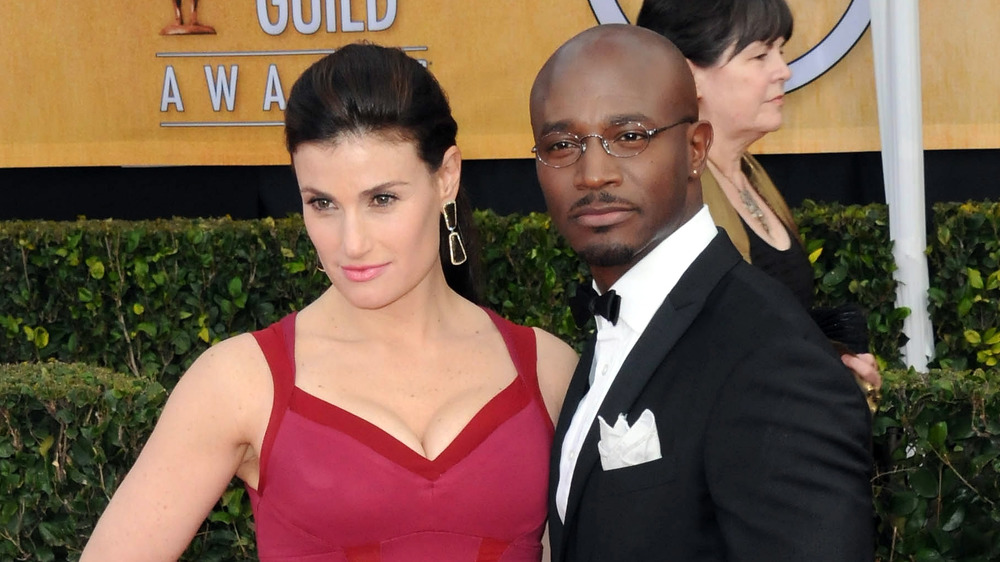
column 748, row 201
column 754, row 208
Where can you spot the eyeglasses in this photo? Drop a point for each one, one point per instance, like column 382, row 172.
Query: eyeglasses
column 560, row 149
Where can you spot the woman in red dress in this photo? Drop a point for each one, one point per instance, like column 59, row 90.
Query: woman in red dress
column 390, row 419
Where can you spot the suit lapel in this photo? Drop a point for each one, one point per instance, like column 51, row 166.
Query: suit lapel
column 671, row 320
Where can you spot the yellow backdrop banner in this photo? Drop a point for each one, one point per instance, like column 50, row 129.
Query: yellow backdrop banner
column 119, row 82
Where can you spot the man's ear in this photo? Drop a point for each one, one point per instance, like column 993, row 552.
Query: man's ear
column 449, row 174
column 700, row 137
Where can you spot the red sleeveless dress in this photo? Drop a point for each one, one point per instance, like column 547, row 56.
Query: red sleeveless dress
column 335, row 487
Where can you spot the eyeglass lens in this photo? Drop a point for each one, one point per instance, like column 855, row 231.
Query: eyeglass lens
column 624, row 140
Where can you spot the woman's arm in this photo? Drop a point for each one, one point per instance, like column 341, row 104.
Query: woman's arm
column 200, row 440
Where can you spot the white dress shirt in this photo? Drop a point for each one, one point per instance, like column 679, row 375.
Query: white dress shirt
column 643, row 288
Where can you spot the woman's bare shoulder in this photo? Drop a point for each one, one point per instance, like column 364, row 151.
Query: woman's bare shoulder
column 556, row 363
column 235, row 366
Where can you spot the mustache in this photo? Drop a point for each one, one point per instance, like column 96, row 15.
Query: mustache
column 599, row 197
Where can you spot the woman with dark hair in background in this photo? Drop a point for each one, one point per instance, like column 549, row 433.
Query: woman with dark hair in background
column 390, row 419
column 735, row 51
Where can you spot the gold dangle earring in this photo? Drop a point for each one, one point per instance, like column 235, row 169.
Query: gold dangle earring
column 455, row 247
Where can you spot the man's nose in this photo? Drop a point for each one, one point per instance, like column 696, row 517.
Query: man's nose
column 596, row 168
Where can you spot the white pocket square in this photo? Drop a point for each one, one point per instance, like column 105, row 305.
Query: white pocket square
column 621, row 446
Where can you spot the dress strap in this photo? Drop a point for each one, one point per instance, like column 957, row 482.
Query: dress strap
column 523, row 350
column 277, row 341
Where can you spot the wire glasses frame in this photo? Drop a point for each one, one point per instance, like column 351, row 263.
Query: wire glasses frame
column 560, row 149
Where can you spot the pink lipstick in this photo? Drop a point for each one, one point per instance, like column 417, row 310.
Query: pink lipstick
column 362, row 273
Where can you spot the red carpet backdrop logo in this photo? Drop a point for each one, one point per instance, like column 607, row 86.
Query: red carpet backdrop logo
column 207, row 85
column 186, row 20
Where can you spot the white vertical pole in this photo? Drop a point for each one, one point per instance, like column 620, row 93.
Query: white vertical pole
column 896, row 41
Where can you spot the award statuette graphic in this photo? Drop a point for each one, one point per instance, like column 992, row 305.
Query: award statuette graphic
column 186, row 22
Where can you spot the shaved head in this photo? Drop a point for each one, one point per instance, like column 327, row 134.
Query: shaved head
column 633, row 51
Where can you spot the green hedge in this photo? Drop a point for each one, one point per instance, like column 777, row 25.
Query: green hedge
column 71, row 431
column 147, row 297
column 937, row 487
column 964, row 258
column 852, row 262
column 530, row 274
column 68, row 431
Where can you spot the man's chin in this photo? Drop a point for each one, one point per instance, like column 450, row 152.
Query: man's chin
column 607, row 255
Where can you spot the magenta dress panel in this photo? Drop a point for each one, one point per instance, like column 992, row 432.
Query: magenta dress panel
column 335, row 487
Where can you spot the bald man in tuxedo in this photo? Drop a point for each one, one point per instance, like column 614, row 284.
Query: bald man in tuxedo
column 709, row 419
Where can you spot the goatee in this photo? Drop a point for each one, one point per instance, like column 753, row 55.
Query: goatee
column 607, row 256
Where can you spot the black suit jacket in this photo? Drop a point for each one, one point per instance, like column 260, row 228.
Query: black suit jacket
column 763, row 432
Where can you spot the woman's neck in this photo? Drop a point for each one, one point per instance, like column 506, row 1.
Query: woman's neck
column 728, row 147
column 726, row 156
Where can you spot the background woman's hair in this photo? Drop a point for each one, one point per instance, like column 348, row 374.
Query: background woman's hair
column 367, row 89
column 704, row 29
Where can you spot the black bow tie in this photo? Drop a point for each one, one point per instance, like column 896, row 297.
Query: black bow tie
column 586, row 303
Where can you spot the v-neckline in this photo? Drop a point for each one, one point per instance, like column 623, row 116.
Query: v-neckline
column 497, row 410
column 500, row 408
